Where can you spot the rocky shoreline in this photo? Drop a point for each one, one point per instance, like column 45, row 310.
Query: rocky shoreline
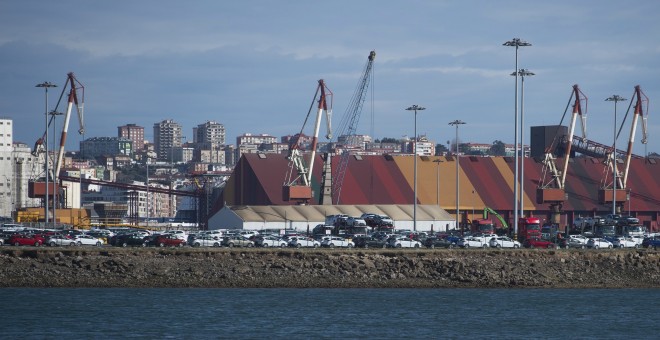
column 326, row 268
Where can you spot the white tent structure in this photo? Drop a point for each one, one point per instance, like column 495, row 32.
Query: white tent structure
column 306, row 217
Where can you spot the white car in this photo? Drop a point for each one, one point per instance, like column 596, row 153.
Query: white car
column 473, row 242
column 596, row 243
column 336, row 241
column 180, row 234
column 300, row 241
column 248, row 233
column 503, row 242
column 356, row 221
column 206, row 241
column 273, row 241
column 60, row 240
column 579, row 238
column 88, row 240
column 404, row 242
column 625, row 242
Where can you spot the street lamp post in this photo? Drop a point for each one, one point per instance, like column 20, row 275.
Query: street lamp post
column 517, row 43
column 614, row 98
column 456, row 123
column 437, row 181
column 46, row 85
column 522, row 73
column 415, row 108
column 147, row 192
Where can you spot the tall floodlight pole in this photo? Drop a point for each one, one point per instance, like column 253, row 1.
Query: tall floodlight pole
column 437, row 181
column 522, row 73
column 46, row 85
column 415, row 108
column 517, row 43
column 456, row 123
column 614, row 98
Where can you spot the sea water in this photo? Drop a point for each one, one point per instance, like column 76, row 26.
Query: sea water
column 82, row 313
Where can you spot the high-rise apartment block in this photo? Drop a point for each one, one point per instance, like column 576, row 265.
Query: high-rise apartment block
column 167, row 135
column 210, row 132
column 134, row 133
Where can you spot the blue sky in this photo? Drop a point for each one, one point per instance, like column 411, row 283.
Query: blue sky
column 254, row 65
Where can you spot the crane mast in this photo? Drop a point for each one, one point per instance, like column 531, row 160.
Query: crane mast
column 552, row 186
column 606, row 194
column 74, row 86
column 641, row 110
column 298, row 180
column 348, row 127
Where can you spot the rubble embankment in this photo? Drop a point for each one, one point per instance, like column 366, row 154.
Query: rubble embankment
column 329, row 268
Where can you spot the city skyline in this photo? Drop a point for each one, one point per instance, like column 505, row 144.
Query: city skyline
column 255, row 72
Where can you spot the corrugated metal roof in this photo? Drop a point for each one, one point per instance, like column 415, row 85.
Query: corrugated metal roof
column 484, row 181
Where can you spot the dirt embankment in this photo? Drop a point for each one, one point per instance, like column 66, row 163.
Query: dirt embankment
column 194, row 267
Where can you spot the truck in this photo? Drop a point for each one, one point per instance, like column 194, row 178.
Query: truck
column 529, row 227
column 486, row 225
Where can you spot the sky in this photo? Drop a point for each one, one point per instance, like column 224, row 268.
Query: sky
column 254, row 65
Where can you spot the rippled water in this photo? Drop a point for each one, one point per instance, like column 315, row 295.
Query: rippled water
column 329, row 313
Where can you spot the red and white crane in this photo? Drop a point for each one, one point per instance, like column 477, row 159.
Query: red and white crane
column 606, row 194
column 552, row 185
column 73, row 98
column 298, row 181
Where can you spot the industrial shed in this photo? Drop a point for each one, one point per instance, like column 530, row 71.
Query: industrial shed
column 484, row 182
column 306, row 217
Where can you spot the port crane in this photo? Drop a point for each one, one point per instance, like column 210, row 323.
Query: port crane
column 611, row 172
column 73, row 98
column 347, row 129
column 298, row 179
column 552, row 185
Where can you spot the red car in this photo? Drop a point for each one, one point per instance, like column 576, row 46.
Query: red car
column 169, row 240
column 26, row 240
column 539, row 243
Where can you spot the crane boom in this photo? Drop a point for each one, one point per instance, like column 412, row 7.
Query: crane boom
column 349, row 124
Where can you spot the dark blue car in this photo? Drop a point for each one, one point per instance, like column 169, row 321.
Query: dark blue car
column 651, row 242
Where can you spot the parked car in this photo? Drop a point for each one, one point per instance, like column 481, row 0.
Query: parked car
column 125, row 240
column 438, row 242
column 26, row 240
column 612, row 219
column 628, row 220
column 336, row 241
column 371, row 242
column 269, row 241
column 625, row 242
column 651, row 242
column 88, row 240
column 597, row 242
column 473, row 242
column 237, row 241
column 579, row 238
column 356, row 221
column 574, row 243
column 60, row 240
column 180, row 234
column 539, row 243
column 503, row 242
column 404, row 242
column 301, row 241
column 205, row 241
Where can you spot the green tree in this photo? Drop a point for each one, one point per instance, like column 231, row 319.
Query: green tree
column 498, row 148
column 389, row 140
column 440, row 149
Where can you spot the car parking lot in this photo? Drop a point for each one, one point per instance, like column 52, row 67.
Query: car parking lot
column 252, row 238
